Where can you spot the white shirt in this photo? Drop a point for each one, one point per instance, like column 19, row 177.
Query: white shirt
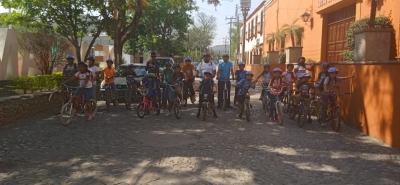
column 206, row 66
column 94, row 69
column 82, row 79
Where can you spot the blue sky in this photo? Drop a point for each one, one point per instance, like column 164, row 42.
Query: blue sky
column 226, row 9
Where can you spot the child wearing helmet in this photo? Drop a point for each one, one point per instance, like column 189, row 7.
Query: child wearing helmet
column 95, row 71
column 266, row 74
column 130, row 76
column 176, row 78
column 330, row 84
column 190, row 73
column 321, row 76
column 244, row 85
column 305, row 89
column 85, row 78
column 109, row 73
column 275, row 84
column 207, row 86
column 240, row 74
column 70, row 69
column 151, row 85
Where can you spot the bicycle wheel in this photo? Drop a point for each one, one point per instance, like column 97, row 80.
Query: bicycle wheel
column 302, row 115
column 177, row 108
column 141, row 111
column 293, row 111
column 247, row 107
column 128, row 98
column 279, row 112
column 67, row 113
column 56, row 100
column 287, row 104
column 204, row 108
column 94, row 108
column 265, row 103
column 336, row 120
column 108, row 99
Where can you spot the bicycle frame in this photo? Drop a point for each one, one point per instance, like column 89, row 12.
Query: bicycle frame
column 148, row 104
column 75, row 101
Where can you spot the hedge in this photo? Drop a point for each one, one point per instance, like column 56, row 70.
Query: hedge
column 37, row 83
column 380, row 22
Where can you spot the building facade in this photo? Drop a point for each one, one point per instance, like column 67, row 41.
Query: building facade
column 254, row 35
column 324, row 36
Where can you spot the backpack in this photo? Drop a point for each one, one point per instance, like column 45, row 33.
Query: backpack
column 321, row 82
column 75, row 67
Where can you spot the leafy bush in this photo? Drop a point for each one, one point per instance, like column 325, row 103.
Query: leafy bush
column 380, row 22
column 264, row 60
column 37, row 83
column 282, row 58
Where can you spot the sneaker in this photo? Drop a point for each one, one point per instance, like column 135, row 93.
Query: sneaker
column 90, row 117
column 168, row 114
column 192, row 99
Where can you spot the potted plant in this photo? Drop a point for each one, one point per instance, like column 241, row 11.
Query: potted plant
column 295, row 33
column 272, row 55
column 372, row 41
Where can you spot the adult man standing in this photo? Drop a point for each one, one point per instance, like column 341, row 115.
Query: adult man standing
column 70, row 69
column 95, row 72
column 206, row 65
column 225, row 70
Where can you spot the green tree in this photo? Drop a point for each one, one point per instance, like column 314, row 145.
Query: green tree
column 294, row 32
column 202, row 32
column 73, row 19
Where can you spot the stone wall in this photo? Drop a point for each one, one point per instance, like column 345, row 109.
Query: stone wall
column 15, row 108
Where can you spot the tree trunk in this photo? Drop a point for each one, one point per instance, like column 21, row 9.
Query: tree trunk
column 292, row 38
column 372, row 14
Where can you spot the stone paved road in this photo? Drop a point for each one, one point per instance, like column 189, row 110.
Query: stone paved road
column 120, row 148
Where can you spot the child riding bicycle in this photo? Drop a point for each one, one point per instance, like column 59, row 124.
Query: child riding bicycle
column 190, row 72
column 266, row 74
column 109, row 73
column 244, row 85
column 151, row 85
column 305, row 89
column 166, row 79
column 330, row 83
column 207, row 86
column 173, row 93
column 240, row 74
column 275, row 84
column 85, row 78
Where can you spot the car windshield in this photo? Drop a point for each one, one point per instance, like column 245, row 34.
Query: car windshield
column 163, row 61
column 139, row 70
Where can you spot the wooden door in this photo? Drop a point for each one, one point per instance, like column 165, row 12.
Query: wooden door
column 338, row 24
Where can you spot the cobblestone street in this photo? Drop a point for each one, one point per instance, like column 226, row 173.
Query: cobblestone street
column 120, row 148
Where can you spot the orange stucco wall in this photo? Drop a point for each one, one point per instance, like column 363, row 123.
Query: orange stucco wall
column 374, row 101
column 280, row 12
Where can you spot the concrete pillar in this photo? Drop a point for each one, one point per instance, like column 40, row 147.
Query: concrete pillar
column 293, row 54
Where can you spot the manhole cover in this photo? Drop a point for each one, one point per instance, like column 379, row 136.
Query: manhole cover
column 165, row 140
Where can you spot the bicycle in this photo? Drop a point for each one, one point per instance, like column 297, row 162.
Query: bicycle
column 333, row 112
column 300, row 109
column 130, row 87
column 67, row 110
column 265, row 99
column 247, row 105
column 186, row 92
column 177, row 102
column 57, row 99
column 225, row 94
column 205, row 106
column 278, row 105
column 286, row 99
column 146, row 105
column 110, row 94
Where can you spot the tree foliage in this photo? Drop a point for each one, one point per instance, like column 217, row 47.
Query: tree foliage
column 49, row 50
column 294, row 32
column 72, row 19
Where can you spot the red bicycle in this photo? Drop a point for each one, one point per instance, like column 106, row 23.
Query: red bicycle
column 74, row 106
column 146, row 105
column 333, row 112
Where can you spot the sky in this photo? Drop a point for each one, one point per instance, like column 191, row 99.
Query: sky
column 226, row 9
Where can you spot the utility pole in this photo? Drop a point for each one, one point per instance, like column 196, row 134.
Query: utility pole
column 238, row 34
column 225, row 42
column 230, row 32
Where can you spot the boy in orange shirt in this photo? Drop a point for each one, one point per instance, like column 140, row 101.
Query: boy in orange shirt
column 109, row 73
column 189, row 70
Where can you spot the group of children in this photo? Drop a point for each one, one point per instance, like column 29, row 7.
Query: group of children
column 275, row 80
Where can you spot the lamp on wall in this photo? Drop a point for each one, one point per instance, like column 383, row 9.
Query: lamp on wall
column 306, row 17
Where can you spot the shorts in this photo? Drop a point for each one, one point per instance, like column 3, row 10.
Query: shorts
column 241, row 99
column 88, row 92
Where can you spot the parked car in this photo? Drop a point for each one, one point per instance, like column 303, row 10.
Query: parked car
column 163, row 61
column 195, row 64
column 120, row 81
